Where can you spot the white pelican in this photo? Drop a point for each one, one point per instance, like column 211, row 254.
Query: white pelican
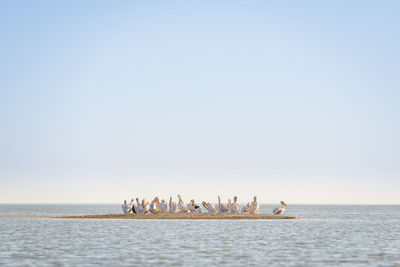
column 221, row 207
column 125, row 207
column 279, row 211
column 181, row 205
column 138, row 206
column 246, row 209
column 234, row 207
column 132, row 207
column 228, row 206
column 193, row 207
column 163, row 206
column 253, row 209
column 209, row 207
column 155, row 205
column 172, row 206
column 146, row 206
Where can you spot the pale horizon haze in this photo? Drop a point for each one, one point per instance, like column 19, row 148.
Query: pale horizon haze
column 103, row 101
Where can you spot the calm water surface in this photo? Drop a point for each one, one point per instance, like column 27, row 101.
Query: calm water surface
column 328, row 235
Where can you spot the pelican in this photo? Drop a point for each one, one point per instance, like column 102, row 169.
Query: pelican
column 253, row 209
column 246, row 209
column 125, row 207
column 193, row 207
column 279, row 211
column 163, row 206
column 155, row 205
column 181, row 205
column 221, row 207
column 228, row 206
column 171, row 206
column 132, row 207
column 234, row 207
column 146, row 206
column 138, row 207
column 209, row 207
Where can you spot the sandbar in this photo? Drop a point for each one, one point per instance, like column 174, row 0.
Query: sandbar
column 182, row 216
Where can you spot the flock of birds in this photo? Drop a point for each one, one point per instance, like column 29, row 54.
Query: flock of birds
column 157, row 206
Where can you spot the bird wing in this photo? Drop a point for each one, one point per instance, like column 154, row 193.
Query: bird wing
column 276, row 211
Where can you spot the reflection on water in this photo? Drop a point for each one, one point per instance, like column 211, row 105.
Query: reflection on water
column 363, row 235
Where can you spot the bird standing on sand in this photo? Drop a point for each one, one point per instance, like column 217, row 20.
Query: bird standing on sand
column 181, row 205
column 221, row 207
column 234, row 207
column 171, row 206
column 193, row 207
column 209, row 207
column 163, row 206
column 155, row 205
column 228, row 206
column 253, row 209
column 146, row 206
column 125, row 207
column 279, row 211
column 138, row 207
column 132, row 206
column 246, row 208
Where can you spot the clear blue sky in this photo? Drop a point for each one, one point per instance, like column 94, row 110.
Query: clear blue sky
column 101, row 101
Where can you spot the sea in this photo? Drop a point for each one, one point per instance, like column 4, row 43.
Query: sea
column 325, row 235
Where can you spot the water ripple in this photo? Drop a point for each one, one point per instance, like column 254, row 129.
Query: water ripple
column 342, row 236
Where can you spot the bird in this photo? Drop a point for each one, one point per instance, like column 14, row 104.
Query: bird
column 155, row 205
column 234, row 207
column 146, row 206
column 279, row 211
column 193, row 207
column 181, row 205
column 163, row 206
column 228, row 206
column 221, row 207
column 246, row 208
column 253, row 209
column 125, row 207
column 132, row 206
column 209, row 207
column 171, row 206
column 138, row 206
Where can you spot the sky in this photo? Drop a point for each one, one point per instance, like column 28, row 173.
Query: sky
column 102, row 101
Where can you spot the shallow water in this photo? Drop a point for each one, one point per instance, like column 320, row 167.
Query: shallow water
column 328, row 235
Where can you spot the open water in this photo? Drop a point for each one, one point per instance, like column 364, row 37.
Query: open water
column 326, row 235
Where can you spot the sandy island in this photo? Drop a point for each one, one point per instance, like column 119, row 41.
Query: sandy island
column 182, row 216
